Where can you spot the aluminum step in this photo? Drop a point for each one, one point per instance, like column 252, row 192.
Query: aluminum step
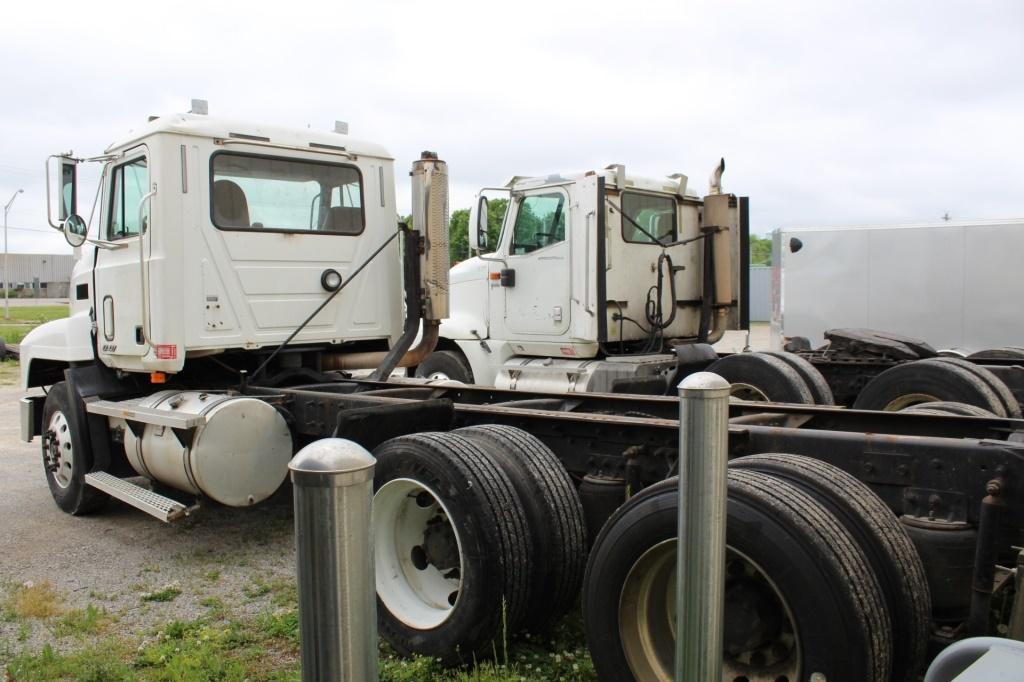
column 130, row 410
column 154, row 504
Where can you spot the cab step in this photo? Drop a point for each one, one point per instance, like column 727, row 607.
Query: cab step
column 154, row 504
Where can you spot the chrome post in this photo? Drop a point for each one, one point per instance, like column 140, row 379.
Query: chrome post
column 332, row 480
column 700, row 553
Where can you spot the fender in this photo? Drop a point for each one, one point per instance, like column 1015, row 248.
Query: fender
column 59, row 343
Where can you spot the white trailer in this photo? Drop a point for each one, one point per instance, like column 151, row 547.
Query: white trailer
column 954, row 284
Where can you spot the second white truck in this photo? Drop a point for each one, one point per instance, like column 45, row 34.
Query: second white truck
column 595, row 278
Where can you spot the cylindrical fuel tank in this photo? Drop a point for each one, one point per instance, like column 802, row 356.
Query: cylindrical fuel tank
column 238, row 457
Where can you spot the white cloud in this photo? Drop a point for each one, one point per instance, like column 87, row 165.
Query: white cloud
column 826, row 112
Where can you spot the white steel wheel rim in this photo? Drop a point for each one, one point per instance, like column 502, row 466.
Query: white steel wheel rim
column 748, row 392
column 61, row 454
column 438, row 375
column 416, row 592
column 908, row 400
column 647, row 622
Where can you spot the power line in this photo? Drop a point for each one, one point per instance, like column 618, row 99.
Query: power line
column 31, row 229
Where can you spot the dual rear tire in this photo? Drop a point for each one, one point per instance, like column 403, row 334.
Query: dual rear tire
column 774, row 377
column 933, row 380
column 808, row 586
column 478, row 534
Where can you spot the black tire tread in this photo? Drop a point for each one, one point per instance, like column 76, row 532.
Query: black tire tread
column 82, row 499
column 946, row 407
column 731, row 368
column 509, row 531
column 829, row 538
column 1001, row 390
column 879, row 389
column 821, row 392
column 1001, row 353
column 561, row 534
column 442, row 357
column 886, row 545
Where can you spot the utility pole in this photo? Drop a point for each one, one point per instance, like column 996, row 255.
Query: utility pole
column 7, row 284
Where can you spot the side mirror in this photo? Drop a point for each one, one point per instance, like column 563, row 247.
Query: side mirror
column 67, row 202
column 478, row 224
column 74, row 229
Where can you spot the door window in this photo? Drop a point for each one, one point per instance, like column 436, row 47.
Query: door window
column 130, row 184
column 540, row 222
column 656, row 215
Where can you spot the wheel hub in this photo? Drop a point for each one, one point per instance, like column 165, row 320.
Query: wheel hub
column 759, row 639
column 439, row 546
column 58, row 451
column 417, row 554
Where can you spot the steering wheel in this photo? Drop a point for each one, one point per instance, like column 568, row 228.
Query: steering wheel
column 537, row 238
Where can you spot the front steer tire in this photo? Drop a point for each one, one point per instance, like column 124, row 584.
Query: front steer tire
column 445, row 365
column 445, row 490
column 67, row 456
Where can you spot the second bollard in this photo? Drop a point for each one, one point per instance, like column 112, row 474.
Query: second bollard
column 700, row 578
column 332, row 480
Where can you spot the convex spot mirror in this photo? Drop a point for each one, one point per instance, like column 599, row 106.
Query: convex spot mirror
column 478, row 224
column 74, row 229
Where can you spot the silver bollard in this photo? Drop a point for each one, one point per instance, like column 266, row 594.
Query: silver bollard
column 332, row 480
column 700, row 556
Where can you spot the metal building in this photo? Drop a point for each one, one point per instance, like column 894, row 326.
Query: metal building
column 760, row 293
column 44, row 275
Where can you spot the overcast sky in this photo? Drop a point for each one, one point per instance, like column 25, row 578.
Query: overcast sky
column 826, row 112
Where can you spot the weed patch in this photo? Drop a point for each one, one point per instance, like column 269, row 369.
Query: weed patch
column 81, row 622
column 164, row 594
column 35, row 600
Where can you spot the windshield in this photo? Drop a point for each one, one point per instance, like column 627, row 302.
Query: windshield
column 251, row 192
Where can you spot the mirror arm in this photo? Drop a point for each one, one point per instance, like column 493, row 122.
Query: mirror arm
column 109, row 246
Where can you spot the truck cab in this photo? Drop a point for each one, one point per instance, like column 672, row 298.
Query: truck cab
column 216, row 237
column 596, row 276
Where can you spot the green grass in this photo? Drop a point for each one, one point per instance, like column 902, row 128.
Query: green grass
column 266, row 648
column 80, row 622
column 24, row 319
column 164, row 594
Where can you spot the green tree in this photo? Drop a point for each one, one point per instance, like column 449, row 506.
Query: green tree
column 760, row 250
column 458, row 228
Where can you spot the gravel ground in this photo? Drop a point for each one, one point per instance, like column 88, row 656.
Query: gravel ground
column 110, row 560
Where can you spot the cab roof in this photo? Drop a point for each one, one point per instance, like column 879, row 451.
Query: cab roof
column 614, row 176
column 200, row 125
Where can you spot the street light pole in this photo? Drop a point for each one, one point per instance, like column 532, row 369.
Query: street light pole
column 7, row 284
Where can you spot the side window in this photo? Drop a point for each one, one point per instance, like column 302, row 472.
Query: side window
column 656, row 215
column 540, row 222
column 130, row 182
column 285, row 195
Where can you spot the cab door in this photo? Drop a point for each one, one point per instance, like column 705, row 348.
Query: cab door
column 118, row 279
column 539, row 252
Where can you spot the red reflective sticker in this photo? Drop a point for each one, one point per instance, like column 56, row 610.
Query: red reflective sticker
column 568, row 350
column 166, row 351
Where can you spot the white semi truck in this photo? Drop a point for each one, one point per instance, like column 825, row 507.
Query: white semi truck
column 236, row 273
column 604, row 281
column 595, row 277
